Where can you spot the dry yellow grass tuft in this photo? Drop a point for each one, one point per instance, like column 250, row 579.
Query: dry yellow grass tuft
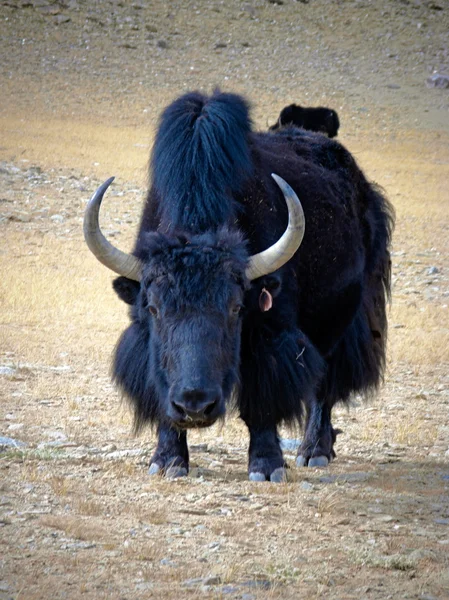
column 85, row 529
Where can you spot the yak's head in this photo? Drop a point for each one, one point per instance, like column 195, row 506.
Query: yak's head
column 187, row 293
column 189, row 299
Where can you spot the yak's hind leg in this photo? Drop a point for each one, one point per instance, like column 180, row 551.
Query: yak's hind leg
column 171, row 457
column 317, row 447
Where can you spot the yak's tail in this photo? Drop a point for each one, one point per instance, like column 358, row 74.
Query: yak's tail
column 200, row 158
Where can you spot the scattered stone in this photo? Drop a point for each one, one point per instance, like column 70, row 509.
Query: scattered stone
column 198, row 448
column 60, row 19
column 124, row 453
column 433, row 271
column 7, row 442
column 51, row 9
column 144, row 586
column 15, row 426
column 7, row 371
column 78, row 546
column 198, row 581
column 162, row 44
column 385, row 518
column 345, row 477
column 20, row 217
column 437, row 80
column 166, row 562
column 229, row 589
column 264, row 584
column 306, row 486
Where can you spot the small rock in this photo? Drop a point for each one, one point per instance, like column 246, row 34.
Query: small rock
column 7, row 371
column 229, row 589
column 385, row 518
column 433, row 271
column 346, row 477
column 123, row 453
column 264, row 584
column 52, row 9
column 437, row 80
column 162, row 44
column 15, row 426
column 109, row 448
column 306, row 486
column 166, row 562
column 20, row 217
column 57, row 218
column 198, row 447
column 212, row 580
column 7, row 442
column 144, row 586
column 60, row 19
column 196, row 581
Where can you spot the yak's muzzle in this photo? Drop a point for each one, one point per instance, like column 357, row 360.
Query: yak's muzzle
column 196, row 407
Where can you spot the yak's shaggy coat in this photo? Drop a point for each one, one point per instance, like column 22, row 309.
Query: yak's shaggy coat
column 212, row 202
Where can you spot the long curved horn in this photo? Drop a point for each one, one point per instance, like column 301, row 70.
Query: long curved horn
column 279, row 253
column 124, row 264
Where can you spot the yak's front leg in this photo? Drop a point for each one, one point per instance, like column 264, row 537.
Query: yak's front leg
column 266, row 462
column 171, row 457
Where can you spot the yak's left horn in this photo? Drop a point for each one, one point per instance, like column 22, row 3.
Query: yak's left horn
column 279, row 253
column 124, row 264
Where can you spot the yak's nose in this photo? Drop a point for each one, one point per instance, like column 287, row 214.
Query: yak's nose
column 197, row 406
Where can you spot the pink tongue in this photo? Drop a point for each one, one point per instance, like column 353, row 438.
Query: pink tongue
column 265, row 300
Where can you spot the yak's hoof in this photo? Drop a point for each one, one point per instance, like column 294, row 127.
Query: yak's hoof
column 170, row 472
column 279, row 475
column 318, row 461
column 314, row 461
column 154, row 469
column 257, row 477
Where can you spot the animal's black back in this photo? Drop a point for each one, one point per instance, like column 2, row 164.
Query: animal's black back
column 320, row 119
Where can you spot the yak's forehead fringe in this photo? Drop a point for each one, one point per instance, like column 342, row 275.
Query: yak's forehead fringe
column 201, row 157
column 197, row 259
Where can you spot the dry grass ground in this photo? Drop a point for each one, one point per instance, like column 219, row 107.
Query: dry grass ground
column 79, row 516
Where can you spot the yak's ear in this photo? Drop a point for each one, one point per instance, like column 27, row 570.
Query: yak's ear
column 126, row 289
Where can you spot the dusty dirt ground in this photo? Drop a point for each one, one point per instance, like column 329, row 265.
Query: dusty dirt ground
column 82, row 84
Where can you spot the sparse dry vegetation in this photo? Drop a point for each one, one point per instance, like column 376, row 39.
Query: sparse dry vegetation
column 80, row 518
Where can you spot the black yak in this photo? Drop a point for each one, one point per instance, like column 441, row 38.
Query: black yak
column 225, row 309
column 320, row 119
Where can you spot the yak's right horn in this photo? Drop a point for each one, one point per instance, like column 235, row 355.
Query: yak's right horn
column 124, row 264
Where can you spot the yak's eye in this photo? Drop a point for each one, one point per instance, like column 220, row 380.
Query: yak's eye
column 236, row 309
column 153, row 310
